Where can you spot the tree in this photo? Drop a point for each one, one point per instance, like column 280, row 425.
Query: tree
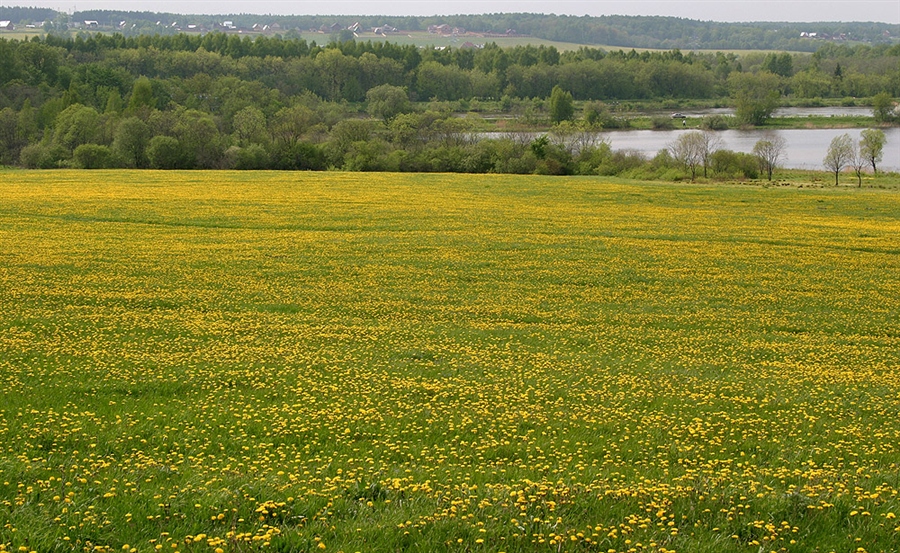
column 199, row 139
column 883, row 107
column 857, row 162
column 289, row 124
column 756, row 96
column 562, row 106
column 840, row 153
column 871, row 146
column 769, row 151
column 249, row 126
column 130, row 142
column 141, row 95
column 77, row 125
column 165, row 152
column 709, row 142
column 387, row 101
column 689, row 150
column 93, row 156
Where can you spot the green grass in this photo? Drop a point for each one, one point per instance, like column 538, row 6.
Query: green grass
column 383, row 362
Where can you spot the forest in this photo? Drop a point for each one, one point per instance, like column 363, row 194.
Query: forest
column 613, row 30
column 224, row 101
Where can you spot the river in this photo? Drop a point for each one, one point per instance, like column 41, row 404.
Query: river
column 805, row 147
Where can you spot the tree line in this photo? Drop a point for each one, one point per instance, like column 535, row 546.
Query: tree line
column 217, row 100
column 613, row 30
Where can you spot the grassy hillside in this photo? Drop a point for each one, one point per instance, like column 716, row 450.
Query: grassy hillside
column 213, row 361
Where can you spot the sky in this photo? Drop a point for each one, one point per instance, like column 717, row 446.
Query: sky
column 887, row 11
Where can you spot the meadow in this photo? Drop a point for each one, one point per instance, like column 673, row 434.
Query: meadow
column 210, row 362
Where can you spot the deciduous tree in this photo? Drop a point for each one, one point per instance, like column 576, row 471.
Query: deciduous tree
column 689, row 151
column 769, row 152
column 562, row 106
column 840, row 153
column 871, row 147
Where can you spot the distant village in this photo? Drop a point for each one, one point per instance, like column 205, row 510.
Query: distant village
column 230, row 27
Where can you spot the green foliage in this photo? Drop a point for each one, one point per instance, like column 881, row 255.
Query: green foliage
column 840, row 153
column 387, row 101
column 756, row 96
column 661, row 122
column 871, row 147
column 779, row 64
column 252, row 157
column 733, row 165
column 715, row 123
column 884, row 109
column 42, row 155
column 561, row 104
column 141, row 95
column 93, row 156
column 130, row 142
column 165, row 152
column 77, row 125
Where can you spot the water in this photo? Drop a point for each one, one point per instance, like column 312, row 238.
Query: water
column 832, row 111
column 805, row 147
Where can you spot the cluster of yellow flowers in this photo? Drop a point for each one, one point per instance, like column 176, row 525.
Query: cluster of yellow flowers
column 210, row 362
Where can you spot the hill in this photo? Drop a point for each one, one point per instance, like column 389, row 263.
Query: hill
column 613, row 31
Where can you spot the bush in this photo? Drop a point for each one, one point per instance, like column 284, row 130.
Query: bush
column 733, row 165
column 165, row 152
column 40, row 156
column 252, row 157
column 661, row 123
column 93, row 156
column 297, row 156
column 715, row 123
column 621, row 161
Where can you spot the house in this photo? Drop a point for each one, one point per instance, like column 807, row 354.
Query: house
column 7, row 26
column 90, row 24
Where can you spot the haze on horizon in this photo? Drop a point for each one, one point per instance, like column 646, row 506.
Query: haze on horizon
column 885, row 11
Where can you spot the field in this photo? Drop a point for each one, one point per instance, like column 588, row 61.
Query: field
column 424, row 39
column 204, row 362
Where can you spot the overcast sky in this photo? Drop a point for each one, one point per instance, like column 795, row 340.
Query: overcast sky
column 706, row 10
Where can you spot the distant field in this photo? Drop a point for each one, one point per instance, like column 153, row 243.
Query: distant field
column 21, row 34
column 423, row 39
column 214, row 361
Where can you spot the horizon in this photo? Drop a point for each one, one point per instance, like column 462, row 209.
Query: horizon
column 725, row 11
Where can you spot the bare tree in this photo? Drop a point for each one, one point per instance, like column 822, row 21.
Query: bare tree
column 711, row 143
column 857, row 162
column 576, row 137
column 840, row 154
column 871, row 147
column 769, row 152
column 689, row 150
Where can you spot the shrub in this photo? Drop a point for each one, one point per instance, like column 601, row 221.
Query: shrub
column 40, row 156
column 661, row 122
column 728, row 164
column 165, row 152
column 715, row 123
column 93, row 156
column 252, row 157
